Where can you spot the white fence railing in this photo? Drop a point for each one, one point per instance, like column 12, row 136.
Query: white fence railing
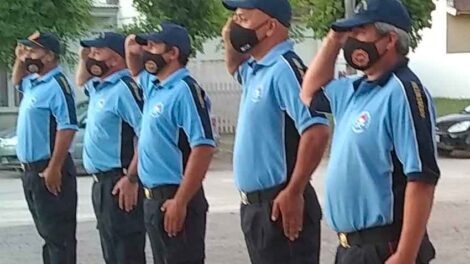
column 225, row 98
column 223, row 91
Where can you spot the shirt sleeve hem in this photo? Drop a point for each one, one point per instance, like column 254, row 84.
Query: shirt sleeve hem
column 197, row 143
column 64, row 127
column 312, row 122
column 423, row 177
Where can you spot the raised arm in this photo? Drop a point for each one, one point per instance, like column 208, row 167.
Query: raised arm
column 133, row 56
column 322, row 68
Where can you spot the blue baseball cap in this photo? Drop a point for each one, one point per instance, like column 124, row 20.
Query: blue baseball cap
column 112, row 40
column 278, row 9
column 170, row 34
column 392, row 12
column 45, row 40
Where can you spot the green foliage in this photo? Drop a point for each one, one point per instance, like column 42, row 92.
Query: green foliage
column 445, row 106
column 318, row 15
column 203, row 18
column 20, row 18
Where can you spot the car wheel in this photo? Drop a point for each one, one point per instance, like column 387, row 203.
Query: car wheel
column 444, row 152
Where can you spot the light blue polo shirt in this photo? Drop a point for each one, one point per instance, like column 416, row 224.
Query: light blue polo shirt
column 384, row 136
column 175, row 120
column 113, row 121
column 47, row 105
column 271, row 119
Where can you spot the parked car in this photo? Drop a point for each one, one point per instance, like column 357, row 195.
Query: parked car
column 453, row 132
column 8, row 141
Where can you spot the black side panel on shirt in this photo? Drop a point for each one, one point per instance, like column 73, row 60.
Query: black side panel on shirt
column 87, row 93
column 291, row 144
column 127, row 133
column 198, row 96
column 292, row 137
column 68, row 94
column 419, row 105
column 136, row 92
column 52, row 132
column 127, row 144
column 185, row 148
column 320, row 103
column 398, row 187
column 239, row 78
column 299, row 69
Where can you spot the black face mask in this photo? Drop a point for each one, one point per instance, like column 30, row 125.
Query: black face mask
column 361, row 55
column 33, row 65
column 244, row 39
column 96, row 68
column 154, row 63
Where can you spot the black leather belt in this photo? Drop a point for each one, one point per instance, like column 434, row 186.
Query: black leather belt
column 99, row 175
column 37, row 166
column 266, row 195
column 383, row 234
column 161, row 193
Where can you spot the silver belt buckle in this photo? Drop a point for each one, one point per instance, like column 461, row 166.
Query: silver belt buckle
column 244, row 198
column 95, row 178
column 23, row 167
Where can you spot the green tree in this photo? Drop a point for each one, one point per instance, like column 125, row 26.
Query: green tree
column 318, row 15
column 203, row 18
column 20, row 18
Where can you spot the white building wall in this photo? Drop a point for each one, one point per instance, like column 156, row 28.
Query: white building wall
column 445, row 75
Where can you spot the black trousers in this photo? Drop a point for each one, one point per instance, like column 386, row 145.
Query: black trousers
column 266, row 241
column 378, row 253
column 122, row 234
column 188, row 247
column 54, row 216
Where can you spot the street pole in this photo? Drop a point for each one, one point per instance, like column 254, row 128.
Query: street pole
column 349, row 7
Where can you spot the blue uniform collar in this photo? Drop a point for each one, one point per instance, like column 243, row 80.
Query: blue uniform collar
column 115, row 77
column 174, row 77
column 272, row 56
column 111, row 79
column 46, row 77
column 383, row 80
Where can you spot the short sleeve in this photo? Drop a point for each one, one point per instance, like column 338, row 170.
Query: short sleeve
column 194, row 117
column 62, row 105
column 287, row 92
column 413, row 132
column 241, row 73
column 333, row 97
column 146, row 80
column 130, row 103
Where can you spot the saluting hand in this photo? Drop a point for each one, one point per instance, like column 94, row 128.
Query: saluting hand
column 226, row 29
column 52, row 179
column 128, row 193
column 175, row 216
column 20, row 52
column 339, row 37
column 289, row 206
column 132, row 46
column 84, row 52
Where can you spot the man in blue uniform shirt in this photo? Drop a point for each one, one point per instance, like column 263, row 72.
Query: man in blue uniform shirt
column 113, row 123
column 279, row 142
column 176, row 144
column 46, row 126
column 382, row 171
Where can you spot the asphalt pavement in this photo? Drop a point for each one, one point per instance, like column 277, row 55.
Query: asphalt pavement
column 19, row 243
